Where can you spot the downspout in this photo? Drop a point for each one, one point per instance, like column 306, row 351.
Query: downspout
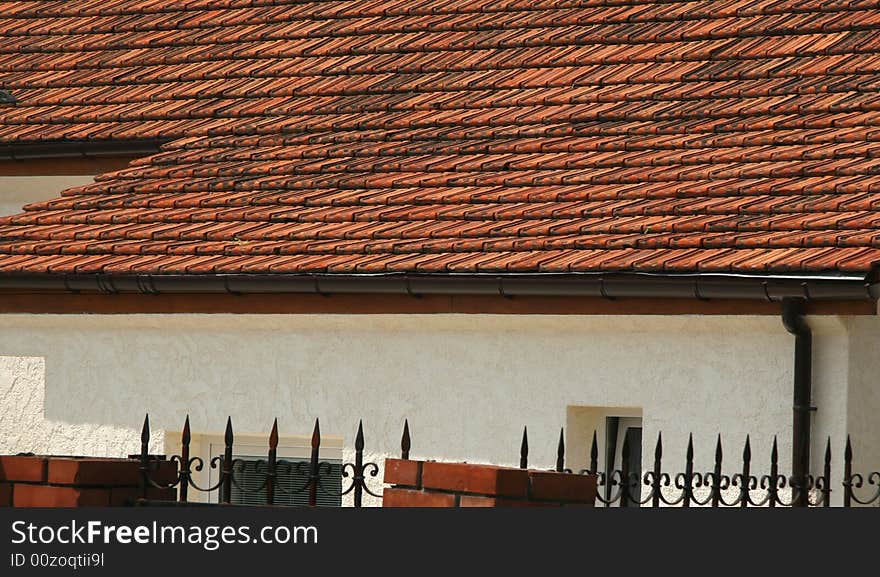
column 794, row 322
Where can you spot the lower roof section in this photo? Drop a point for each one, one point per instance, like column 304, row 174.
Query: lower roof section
column 472, row 137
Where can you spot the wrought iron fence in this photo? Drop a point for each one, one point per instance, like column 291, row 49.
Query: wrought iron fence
column 268, row 470
column 620, row 487
column 656, row 488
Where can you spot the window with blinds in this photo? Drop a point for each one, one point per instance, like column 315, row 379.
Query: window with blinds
column 289, row 479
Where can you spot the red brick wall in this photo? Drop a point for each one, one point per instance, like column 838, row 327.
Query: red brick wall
column 433, row 484
column 38, row 481
column 41, row 481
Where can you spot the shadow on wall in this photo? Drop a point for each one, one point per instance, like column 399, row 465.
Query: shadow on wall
column 27, row 424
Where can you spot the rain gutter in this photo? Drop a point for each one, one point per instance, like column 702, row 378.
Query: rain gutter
column 605, row 285
column 79, row 149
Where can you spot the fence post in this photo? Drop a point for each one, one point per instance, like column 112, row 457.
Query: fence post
column 314, row 474
column 689, row 473
column 524, row 450
column 359, row 478
column 404, row 441
column 594, row 455
column 144, row 466
column 271, row 467
column 603, row 480
column 745, row 480
column 656, row 483
column 185, row 472
column 716, row 474
column 774, row 475
column 847, row 474
column 226, row 488
column 826, row 484
column 560, row 452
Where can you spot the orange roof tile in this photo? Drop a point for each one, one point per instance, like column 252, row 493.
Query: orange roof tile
column 469, row 136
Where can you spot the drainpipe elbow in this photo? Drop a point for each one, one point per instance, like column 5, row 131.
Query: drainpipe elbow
column 793, row 317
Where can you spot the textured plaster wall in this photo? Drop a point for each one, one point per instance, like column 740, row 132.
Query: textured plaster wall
column 26, row 427
column 467, row 383
column 16, row 191
column 863, row 401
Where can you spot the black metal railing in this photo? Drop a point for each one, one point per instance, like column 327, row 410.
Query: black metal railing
column 268, row 470
column 656, row 488
column 619, row 487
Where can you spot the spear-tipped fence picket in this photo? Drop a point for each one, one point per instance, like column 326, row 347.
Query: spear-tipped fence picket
column 314, row 471
column 656, row 488
column 620, row 487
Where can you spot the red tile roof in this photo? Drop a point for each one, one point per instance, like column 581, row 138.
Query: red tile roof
column 468, row 136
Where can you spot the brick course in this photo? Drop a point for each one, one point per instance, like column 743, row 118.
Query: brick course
column 59, row 496
column 403, row 472
column 22, row 468
column 100, row 472
column 123, row 496
column 412, row 498
column 433, row 484
column 477, row 501
column 483, row 479
column 553, row 486
column 40, row 481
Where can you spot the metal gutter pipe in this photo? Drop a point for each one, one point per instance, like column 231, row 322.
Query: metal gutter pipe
column 794, row 322
column 80, row 149
column 603, row 285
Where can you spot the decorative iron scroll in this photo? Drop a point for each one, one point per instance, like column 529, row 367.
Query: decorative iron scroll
column 316, row 472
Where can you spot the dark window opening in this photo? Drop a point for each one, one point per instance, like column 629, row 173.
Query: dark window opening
column 290, row 479
column 618, row 430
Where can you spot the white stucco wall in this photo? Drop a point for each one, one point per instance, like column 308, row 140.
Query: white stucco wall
column 17, row 191
column 863, row 400
column 467, row 383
